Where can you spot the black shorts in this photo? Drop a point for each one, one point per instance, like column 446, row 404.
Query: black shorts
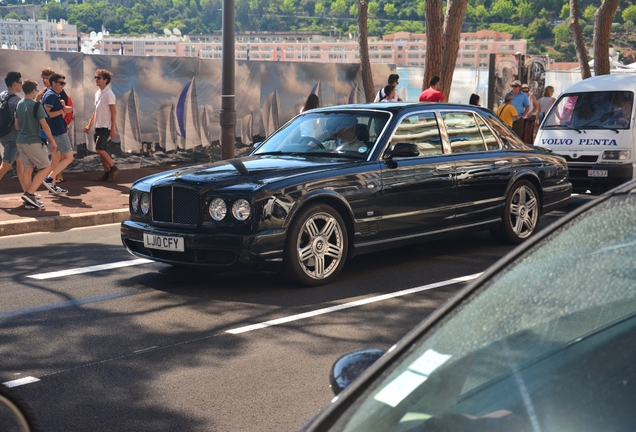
column 102, row 135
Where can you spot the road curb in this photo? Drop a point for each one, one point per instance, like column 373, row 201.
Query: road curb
column 64, row 222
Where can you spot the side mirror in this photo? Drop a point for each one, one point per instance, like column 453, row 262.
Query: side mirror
column 402, row 150
column 257, row 145
column 350, row 366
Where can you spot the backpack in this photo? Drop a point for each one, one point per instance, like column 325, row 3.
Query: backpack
column 7, row 116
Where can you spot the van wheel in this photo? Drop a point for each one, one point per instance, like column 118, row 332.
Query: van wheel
column 521, row 214
column 316, row 246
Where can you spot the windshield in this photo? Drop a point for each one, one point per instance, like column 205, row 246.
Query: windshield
column 591, row 110
column 348, row 134
column 547, row 345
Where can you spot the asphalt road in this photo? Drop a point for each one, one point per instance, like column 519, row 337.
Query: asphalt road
column 151, row 347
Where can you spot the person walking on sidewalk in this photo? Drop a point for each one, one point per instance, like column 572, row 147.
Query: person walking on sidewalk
column 29, row 119
column 104, row 118
column 13, row 80
column 56, row 110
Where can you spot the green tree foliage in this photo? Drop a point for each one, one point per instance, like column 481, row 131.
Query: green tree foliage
column 540, row 28
column 390, row 10
column 565, row 12
column 589, row 12
column 629, row 14
column 561, row 34
column 503, row 9
column 524, row 12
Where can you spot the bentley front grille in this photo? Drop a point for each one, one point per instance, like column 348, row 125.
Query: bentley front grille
column 175, row 205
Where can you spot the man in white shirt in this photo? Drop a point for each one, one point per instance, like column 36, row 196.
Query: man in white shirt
column 104, row 118
column 394, row 80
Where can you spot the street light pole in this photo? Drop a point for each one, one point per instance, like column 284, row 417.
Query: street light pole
column 228, row 111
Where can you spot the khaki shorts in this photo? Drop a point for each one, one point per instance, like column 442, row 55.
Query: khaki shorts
column 34, row 155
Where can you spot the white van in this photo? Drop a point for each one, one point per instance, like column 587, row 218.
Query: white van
column 592, row 126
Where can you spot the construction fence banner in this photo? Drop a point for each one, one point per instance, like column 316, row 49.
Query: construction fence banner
column 168, row 107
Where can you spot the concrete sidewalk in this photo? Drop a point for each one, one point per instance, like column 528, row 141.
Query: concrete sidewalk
column 88, row 202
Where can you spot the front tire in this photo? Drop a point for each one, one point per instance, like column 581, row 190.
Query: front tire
column 316, row 246
column 521, row 214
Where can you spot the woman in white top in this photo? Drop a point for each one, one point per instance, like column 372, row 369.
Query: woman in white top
column 546, row 102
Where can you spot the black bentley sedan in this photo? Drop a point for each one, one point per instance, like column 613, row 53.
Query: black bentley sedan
column 341, row 181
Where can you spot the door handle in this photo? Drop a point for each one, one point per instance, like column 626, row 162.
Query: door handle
column 502, row 162
column 443, row 168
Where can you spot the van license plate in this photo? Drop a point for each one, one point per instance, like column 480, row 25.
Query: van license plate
column 152, row 241
column 597, row 173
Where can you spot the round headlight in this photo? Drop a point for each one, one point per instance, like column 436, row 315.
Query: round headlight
column 241, row 209
column 134, row 201
column 145, row 203
column 217, row 209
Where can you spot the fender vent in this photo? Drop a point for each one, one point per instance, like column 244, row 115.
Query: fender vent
column 369, row 228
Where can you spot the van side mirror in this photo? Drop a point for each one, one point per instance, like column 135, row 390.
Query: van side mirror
column 257, row 145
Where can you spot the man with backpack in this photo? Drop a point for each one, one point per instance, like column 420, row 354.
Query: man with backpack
column 8, row 134
column 30, row 117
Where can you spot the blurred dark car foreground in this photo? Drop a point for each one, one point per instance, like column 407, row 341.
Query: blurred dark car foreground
column 544, row 341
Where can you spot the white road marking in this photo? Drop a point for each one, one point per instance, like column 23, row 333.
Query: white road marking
column 90, row 269
column 351, row 304
column 21, row 381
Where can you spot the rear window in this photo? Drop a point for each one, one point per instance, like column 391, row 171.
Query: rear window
column 591, row 110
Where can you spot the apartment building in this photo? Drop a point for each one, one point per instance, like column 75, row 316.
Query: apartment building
column 38, row 35
column 402, row 48
column 474, row 47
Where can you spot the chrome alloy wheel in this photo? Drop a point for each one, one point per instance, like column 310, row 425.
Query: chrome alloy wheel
column 524, row 211
column 320, row 245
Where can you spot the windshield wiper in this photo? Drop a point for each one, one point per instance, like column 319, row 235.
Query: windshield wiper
column 279, row 153
column 562, row 126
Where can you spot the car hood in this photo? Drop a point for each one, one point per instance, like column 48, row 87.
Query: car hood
column 251, row 171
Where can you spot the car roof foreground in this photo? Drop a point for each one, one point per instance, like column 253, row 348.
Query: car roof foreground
column 330, row 414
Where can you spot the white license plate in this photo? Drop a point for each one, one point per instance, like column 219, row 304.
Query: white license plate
column 597, row 173
column 152, row 241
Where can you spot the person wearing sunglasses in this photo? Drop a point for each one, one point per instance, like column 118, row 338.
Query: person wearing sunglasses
column 56, row 109
column 104, row 118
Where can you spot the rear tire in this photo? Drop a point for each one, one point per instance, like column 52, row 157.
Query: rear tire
column 521, row 214
column 316, row 246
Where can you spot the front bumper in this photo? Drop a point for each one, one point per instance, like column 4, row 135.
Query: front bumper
column 617, row 174
column 262, row 251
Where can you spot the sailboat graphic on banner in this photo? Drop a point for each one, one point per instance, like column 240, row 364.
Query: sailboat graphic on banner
column 128, row 122
column 206, row 131
column 317, row 90
column 271, row 113
column 187, row 117
column 246, row 128
column 167, row 129
column 353, row 95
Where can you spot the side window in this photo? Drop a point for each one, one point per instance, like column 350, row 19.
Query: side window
column 463, row 132
column 420, row 129
column 489, row 137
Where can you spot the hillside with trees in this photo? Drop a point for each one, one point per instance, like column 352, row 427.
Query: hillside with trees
column 542, row 22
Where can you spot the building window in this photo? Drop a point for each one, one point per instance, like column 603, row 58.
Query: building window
column 468, row 64
column 468, row 55
column 483, row 47
column 483, row 55
column 469, row 47
column 511, row 47
column 386, row 56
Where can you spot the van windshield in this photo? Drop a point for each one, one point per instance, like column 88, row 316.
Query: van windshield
column 591, row 110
